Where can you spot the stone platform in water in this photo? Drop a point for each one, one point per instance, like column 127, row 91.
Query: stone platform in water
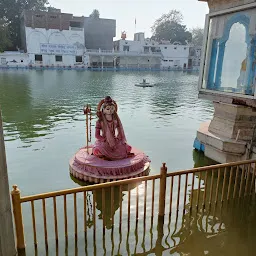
column 88, row 167
column 219, row 148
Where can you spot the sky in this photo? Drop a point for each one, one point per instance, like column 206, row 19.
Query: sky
column 145, row 12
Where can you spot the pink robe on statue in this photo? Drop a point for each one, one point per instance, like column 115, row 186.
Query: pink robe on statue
column 108, row 144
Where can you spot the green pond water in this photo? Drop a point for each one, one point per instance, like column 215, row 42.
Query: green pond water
column 44, row 126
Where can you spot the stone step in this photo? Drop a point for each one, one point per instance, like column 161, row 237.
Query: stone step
column 229, row 120
column 224, row 144
column 229, row 129
column 222, row 157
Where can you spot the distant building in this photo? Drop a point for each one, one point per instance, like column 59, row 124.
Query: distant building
column 53, row 38
column 174, row 56
column 14, row 59
column 138, row 53
column 162, row 55
column 194, row 57
column 99, row 33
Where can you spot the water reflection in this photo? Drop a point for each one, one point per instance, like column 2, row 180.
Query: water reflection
column 215, row 232
column 201, row 232
column 35, row 102
column 23, row 119
column 173, row 96
column 195, row 231
column 200, row 160
column 107, row 201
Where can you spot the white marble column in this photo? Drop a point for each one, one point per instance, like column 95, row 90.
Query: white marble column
column 7, row 242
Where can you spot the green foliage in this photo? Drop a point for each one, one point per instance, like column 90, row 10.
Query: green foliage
column 169, row 27
column 5, row 41
column 95, row 14
column 197, row 36
column 10, row 12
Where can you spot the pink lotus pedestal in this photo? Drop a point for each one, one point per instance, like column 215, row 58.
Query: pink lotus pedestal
column 88, row 167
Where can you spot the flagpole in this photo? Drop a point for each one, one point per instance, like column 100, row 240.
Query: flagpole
column 135, row 24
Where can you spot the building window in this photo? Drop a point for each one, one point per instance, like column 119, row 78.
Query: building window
column 21, row 61
column 175, row 48
column 38, row 57
column 3, row 60
column 126, row 48
column 39, row 15
column 171, row 60
column 76, row 24
column 79, row 59
column 58, row 58
column 146, row 49
column 165, row 47
column 53, row 17
column 185, row 48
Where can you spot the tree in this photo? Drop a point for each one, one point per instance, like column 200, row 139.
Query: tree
column 169, row 27
column 197, row 36
column 10, row 12
column 5, row 41
column 95, row 14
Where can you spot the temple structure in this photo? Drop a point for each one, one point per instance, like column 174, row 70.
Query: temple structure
column 227, row 77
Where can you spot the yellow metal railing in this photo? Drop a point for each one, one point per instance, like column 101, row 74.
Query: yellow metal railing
column 182, row 190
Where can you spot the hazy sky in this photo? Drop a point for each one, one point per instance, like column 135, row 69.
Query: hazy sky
column 145, row 11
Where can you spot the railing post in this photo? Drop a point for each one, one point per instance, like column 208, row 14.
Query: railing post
column 162, row 191
column 17, row 213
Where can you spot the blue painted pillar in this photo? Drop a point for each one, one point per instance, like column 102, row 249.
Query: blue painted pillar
column 254, row 68
column 219, row 65
column 250, row 68
column 210, row 82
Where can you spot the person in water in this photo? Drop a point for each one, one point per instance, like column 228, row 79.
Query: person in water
column 109, row 133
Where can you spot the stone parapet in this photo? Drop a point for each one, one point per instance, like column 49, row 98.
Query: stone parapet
column 219, row 5
column 233, row 121
column 219, row 148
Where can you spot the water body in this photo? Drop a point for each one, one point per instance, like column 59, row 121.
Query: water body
column 44, row 126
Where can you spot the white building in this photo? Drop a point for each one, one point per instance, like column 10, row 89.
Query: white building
column 195, row 53
column 138, row 53
column 14, row 59
column 174, row 56
column 170, row 56
column 53, row 38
